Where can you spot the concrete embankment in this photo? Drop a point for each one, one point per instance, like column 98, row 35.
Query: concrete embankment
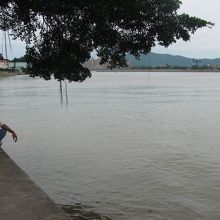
column 4, row 74
column 21, row 198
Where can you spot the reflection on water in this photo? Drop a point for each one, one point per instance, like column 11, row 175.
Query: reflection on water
column 61, row 93
column 129, row 145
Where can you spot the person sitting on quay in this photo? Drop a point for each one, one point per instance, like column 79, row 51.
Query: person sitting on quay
column 3, row 130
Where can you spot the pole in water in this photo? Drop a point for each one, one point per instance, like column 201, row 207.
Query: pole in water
column 67, row 101
column 61, row 93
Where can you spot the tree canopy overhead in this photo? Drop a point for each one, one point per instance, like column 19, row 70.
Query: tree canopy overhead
column 61, row 34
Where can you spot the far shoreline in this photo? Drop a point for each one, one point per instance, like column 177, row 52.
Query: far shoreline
column 156, row 70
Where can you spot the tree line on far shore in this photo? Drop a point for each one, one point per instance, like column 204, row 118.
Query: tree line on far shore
column 20, row 59
column 16, row 59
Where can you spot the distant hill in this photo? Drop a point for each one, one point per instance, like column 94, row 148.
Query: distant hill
column 155, row 59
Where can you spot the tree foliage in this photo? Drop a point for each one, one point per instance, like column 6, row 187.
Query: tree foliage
column 61, row 34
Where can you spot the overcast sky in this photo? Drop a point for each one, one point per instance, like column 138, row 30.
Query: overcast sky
column 203, row 44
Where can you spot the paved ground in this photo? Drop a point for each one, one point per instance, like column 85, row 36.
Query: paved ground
column 21, row 198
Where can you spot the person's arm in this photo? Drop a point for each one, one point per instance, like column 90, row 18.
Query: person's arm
column 14, row 135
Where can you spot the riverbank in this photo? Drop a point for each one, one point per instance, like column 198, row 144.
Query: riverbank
column 21, row 198
column 7, row 73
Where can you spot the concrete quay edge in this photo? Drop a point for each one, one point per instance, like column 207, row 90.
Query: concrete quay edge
column 21, row 198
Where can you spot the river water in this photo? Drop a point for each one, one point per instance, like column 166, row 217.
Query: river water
column 129, row 146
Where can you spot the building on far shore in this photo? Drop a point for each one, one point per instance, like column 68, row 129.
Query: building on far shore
column 4, row 63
